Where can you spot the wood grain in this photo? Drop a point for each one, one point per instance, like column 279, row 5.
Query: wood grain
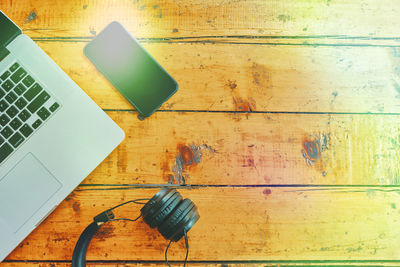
column 367, row 18
column 259, row 131
column 253, row 149
column 258, row 78
column 266, row 224
column 247, row 264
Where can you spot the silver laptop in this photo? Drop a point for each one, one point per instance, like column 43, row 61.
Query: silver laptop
column 52, row 135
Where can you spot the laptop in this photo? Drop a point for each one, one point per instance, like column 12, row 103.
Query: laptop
column 52, row 135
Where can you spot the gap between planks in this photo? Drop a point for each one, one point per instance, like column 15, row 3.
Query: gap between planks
column 206, row 263
column 330, row 41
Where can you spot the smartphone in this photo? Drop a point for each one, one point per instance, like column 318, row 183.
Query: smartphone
column 130, row 69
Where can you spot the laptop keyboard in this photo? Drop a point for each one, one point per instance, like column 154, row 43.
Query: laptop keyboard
column 24, row 106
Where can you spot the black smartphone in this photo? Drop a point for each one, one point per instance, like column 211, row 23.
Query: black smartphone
column 130, row 69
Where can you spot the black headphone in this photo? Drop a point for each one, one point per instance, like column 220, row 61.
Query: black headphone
column 166, row 210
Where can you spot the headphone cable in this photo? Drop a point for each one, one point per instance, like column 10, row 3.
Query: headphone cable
column 187, row 250
column 111, row 218
column 136, row 201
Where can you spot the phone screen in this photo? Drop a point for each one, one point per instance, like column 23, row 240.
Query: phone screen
column 130, row 68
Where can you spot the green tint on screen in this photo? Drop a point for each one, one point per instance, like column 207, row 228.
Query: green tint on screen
column 128, row 66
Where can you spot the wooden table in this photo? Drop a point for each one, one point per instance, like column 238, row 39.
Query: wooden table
column 286, row 121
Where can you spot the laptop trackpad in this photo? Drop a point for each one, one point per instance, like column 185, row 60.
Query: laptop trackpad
column 24, row 190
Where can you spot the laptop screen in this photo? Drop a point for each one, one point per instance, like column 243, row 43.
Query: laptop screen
column 8, row 30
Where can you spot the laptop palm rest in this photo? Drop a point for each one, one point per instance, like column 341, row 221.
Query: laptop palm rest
column 24, row 190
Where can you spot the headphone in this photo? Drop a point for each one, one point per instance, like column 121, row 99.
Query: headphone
column 167, row 211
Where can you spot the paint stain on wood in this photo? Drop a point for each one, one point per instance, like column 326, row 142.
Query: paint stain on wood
column 244, row 105
column 267, row 191
column 32, row 16
column 313, row 147
column 188, row 156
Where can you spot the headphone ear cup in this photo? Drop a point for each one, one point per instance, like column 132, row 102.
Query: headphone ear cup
column 168, row 227
column 156, row 203
column 185, row 224
column 162, row 192
column 158, row 217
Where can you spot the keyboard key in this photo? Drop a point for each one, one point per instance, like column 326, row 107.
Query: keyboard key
column 16, row 140
column 35, row 89
column 28, row 81
column 4, row 120
column 5, row 75
column 38, row 102
column 21, row 103
column 1, row 140
column 11, row 97
column 15, row 124
column 43, row 113
column 2, row 93
column 14, row 67
column 3, row 105
column 5, row 151
column 12, row 112
column 6, row 132
column 36, row 124
column 18, row 75
column 24, row 115
column 26, row 130
column 20, row 89
column 54, row 107
column 8, row 85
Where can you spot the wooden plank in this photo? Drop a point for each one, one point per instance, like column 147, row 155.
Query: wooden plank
column 247, row 264
column 256, row 77
column 253, row 149
column 265, row 223
column 179, row 18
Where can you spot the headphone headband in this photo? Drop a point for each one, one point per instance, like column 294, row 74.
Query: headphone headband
column 166, row 210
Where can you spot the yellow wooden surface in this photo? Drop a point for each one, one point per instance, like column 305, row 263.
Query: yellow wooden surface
column 152, row 18
column 237, row 224
column 243, row 77
column 291, row 106
column 273, row 264
column 255, row 149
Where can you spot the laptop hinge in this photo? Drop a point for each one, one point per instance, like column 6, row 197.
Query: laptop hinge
column 8, row 30
column 3, row 53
